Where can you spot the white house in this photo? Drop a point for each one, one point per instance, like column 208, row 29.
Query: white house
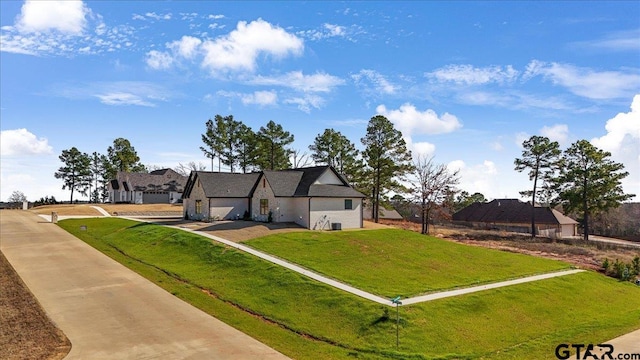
column 157, row 187
column 313, row 197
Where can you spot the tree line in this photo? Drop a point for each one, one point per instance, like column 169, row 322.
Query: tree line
column 583, row 179
column 88, row 174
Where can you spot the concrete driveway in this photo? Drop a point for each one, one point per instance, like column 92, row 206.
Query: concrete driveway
column 108, row 311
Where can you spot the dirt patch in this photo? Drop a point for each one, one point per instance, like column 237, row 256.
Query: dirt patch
column 66, row 210
column 586, row 255
column 113, row 209
column 238, row 230
column 25, row 330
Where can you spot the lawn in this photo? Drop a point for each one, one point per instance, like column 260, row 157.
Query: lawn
column 395, row 262
column 307, row 320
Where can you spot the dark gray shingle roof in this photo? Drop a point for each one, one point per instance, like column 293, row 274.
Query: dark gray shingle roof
column 508, row 211
column 285, row 183
column 227, row 185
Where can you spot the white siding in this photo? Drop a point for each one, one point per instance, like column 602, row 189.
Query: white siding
column 328, row 178
column 228, row 208
column 292, row 210
column 325, row 211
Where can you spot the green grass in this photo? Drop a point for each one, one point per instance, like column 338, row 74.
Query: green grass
column 397, row 262
column 307, row 320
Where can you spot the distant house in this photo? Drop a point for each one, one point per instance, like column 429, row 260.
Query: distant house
column 157, row 187
column 313, row 197
column 514, row 215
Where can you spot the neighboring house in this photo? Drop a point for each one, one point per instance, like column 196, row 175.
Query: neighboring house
column 157, row 187
column 514, row 215
column 313, row 197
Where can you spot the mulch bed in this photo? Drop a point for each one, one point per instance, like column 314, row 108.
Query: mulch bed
column 26, row 332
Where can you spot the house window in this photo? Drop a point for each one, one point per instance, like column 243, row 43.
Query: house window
column 264, row 206
column 348, row 204
column 198, row 206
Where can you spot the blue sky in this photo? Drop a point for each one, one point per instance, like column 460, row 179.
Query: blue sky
column 465, row 82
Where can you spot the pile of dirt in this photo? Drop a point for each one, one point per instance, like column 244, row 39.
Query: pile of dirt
column 25, row 330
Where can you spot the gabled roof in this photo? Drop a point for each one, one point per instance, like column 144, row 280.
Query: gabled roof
column 299, row 182
column 223, row 185
column 510, row 211
column 164, row 180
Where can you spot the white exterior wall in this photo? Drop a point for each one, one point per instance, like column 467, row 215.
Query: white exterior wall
column 263, row 192
column 227, row 208
column 174, row 197
column 292, row 210
column 325, row 211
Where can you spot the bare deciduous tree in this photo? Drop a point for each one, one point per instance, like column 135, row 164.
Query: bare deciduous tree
column 433, row 183
column 186, row 169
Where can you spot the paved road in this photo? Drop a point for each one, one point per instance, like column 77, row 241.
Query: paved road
column 108, row 311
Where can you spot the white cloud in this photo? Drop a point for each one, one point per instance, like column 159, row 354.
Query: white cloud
column 318, row 82
column 480, row 178
column 215, row 17
column 334, row 30
column 521, row 137
column 557, row 132
column 37, row 33
column 155, row 16
column 586, row 82
column 123, row 98
column 617, row 41
column 159, row 60
column 64, row 16
column 497, row 146
column 622, row 140
column 328, row 30
column 306, row 102
column 139, row 93
column 186, row 47
column 409, row 120
column 261, row 98
column 22, row 142
column 470, row 75
column 422, row 148
column 380, row 85
column 240, row 49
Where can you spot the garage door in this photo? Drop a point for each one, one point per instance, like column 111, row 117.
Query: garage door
column 155, row 198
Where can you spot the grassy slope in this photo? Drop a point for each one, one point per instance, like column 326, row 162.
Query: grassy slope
column 396, row 262
column 524, row 321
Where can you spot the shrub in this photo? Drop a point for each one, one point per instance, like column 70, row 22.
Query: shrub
column 606, row 265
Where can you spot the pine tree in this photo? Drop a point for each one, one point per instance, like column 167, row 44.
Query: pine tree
column 540, row 155
column 75, row 173
column 334, row 149
column 589, row 182
column 272, row 150
column 387, row 160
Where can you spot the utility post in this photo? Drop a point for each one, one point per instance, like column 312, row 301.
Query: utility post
column 396, row 300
